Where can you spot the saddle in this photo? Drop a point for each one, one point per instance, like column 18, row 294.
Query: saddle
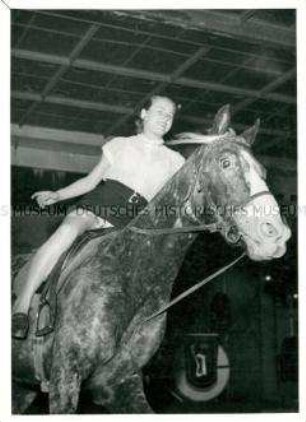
column 46, row 313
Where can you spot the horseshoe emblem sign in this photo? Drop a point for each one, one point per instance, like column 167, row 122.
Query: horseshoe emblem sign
column 203, row 369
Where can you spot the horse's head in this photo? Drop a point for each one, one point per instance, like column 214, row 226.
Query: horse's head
column 231, row 184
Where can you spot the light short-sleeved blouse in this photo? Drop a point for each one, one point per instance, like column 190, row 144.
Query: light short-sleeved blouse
column 141, row 164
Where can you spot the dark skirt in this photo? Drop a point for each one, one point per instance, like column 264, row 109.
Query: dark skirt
column 112, row 201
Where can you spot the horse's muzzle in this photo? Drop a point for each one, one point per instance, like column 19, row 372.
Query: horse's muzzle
column 262, row 229
column 267, row 247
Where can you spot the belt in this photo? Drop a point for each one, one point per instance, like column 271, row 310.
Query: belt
column 135, row 198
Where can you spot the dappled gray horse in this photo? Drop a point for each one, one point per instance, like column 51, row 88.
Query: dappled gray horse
column 113, row 285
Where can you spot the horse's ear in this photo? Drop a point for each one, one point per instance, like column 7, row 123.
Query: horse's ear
column 250, row 134
column 221, row 121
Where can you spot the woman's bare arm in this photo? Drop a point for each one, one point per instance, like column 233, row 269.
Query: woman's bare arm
column 80, row 187
column 87, row 183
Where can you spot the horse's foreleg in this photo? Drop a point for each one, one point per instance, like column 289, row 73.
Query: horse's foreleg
column 65, row 379
column 129, row 396
column 64, row 390
column 22, row 398
column 123, row 396
column 118, row 385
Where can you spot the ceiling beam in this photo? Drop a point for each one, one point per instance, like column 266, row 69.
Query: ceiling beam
column 223, row 22
column 48, row 145
column 27, row 28
column 53, row 160
column 268, row 88
column 219, row 22
column 251, row 56
column 144, row 74
column 229, row 75
column 270, row 132
column 57, row 135
column 62, row 69
column 172, row 78
column 70, row 102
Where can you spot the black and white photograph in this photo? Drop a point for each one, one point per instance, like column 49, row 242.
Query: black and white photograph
column 154, row 210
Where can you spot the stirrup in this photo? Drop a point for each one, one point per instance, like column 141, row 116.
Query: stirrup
column 49, row 327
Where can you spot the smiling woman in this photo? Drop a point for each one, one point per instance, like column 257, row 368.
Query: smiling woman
column 130, row 173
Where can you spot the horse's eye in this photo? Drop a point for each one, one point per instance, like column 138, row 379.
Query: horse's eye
column 225, row 163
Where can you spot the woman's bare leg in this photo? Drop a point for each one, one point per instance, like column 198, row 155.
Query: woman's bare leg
column 48, row 254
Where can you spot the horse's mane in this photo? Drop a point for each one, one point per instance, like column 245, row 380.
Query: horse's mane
column 200, row 138
column 196, row 137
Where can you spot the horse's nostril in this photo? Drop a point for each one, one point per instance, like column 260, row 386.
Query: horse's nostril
column 268, row 230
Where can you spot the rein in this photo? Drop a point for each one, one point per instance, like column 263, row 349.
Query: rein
column 201, row 227
column 193, row 289
column 175, row 230
column 213, row 227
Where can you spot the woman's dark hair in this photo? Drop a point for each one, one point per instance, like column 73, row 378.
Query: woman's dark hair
column 146, row 105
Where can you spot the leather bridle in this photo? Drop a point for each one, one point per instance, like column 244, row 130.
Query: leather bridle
column 228, row 229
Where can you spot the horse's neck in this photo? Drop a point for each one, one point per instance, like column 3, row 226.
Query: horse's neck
column 167, row 249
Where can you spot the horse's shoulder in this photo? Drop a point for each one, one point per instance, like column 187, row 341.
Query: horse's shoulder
column 89, row 252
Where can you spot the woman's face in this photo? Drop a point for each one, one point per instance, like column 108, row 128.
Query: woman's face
column 157, row 120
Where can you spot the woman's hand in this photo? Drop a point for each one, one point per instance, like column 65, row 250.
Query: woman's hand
column 45, row 198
